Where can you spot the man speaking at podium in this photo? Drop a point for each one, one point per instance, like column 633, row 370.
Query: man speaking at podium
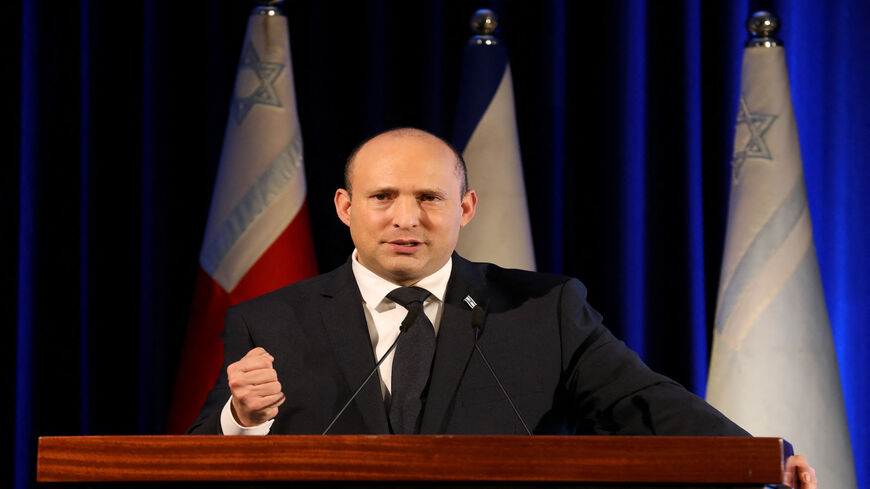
column 482, row 350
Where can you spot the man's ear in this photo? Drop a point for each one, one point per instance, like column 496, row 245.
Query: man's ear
column 469, row 205
column 342, row 205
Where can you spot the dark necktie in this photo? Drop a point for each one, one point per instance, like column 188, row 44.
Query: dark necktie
column 411, row 363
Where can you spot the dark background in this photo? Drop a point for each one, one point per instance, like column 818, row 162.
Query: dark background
column 113, row 115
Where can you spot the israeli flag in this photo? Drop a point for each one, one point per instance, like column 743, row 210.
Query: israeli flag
column 485, row 132
column 774, row 368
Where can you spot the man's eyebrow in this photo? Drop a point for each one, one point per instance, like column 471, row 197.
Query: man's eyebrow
column 436, row 191
column 422, row 191
column 382, row 190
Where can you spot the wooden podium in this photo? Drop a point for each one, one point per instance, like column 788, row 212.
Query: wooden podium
column 411, row 461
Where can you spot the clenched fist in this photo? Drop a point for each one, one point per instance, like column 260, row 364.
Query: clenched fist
column 255, row 388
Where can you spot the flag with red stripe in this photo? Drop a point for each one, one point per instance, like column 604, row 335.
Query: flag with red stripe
column 258, row 236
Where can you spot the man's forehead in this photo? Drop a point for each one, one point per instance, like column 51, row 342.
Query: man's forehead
column 405, row 141
column 405, row 149
column 383, row 157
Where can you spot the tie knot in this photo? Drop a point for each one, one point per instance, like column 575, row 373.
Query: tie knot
column 405, row 296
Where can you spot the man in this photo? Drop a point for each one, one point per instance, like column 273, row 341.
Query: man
column 295, row 356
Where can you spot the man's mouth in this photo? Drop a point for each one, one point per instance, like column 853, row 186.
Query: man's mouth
column 404, row 245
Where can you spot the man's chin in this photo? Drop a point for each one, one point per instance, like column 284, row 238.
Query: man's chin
column 403, row 270
column 403, row 276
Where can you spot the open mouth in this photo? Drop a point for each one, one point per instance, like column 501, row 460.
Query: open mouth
column 404, row 244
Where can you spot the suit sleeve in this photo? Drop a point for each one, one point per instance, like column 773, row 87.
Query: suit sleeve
column 237, row 342
column 613, row 392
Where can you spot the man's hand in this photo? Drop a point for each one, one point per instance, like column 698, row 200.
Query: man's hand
column 255, row 388
column 797, row 469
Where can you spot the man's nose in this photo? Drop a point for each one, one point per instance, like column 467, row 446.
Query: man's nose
column 406, row 213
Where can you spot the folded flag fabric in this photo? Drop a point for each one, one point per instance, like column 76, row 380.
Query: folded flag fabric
column 258, row 236
column 774, row 368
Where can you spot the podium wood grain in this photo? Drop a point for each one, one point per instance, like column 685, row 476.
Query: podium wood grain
column 596, row 459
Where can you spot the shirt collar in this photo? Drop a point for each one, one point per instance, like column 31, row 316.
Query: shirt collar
column 375, row 288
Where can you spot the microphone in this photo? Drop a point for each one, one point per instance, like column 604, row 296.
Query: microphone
column 406, row 323
column 478, row 318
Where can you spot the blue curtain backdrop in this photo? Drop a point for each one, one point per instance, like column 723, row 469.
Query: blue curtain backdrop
column 112, row 128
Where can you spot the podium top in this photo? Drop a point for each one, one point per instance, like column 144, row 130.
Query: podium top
column 704, row 460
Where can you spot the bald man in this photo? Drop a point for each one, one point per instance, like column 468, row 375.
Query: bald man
column 295, row 356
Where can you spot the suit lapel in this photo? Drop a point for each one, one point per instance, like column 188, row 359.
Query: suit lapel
column 453, row 348
column 344, row 320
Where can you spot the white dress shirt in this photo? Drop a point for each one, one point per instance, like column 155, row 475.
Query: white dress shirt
column 383, row 318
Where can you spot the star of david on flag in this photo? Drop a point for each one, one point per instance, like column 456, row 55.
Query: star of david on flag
column 751, row 127
column 254, row 83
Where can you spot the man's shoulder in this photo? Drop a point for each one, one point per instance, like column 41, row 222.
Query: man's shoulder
column 515, row 281
column 302, row 292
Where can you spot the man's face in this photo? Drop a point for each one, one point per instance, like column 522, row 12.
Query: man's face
column 406, row 208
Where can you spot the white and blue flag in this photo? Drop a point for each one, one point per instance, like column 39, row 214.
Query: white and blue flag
column 774, row 369
column 485, row 133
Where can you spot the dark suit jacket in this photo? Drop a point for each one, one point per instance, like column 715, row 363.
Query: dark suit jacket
column 564, row 370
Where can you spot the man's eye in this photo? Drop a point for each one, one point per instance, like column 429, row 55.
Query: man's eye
column 380, row 196
column 430, row 197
